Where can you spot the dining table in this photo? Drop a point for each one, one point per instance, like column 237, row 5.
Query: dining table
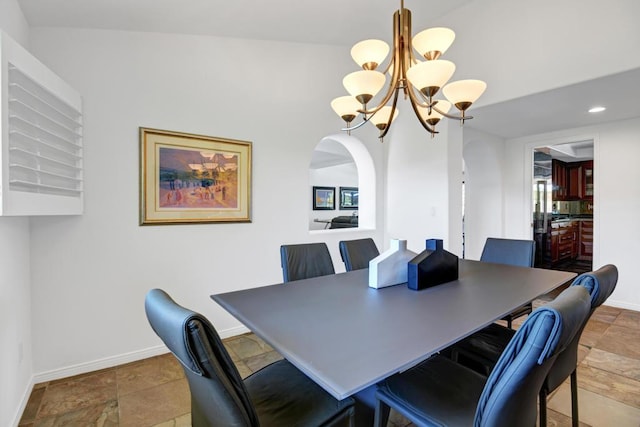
column 347, row 336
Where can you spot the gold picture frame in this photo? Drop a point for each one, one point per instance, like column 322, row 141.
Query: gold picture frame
column 188, row 178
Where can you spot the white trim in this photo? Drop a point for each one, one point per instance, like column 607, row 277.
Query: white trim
column 109, row 362
column 23, row 405
column 623, row 304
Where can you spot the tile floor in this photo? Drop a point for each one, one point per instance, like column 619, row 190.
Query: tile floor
column 154, row 392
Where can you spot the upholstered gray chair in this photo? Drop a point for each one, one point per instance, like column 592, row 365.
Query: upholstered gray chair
column 304, row 261
column 512, row 252
column 440, row 392
column 356, row 254
column 481, row 350
column 277, row 395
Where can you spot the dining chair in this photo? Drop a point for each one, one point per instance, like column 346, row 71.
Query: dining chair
column 481, row 350
column 441, row 392
column 512, row 252
column 356, row 254
column 276, row 395
column 305, row 260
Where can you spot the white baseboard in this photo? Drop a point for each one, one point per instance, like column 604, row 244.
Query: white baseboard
column 623, row 304
column 23, row 403
column 109, row 362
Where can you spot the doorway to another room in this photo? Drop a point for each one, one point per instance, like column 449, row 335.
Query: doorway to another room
column 562, row 200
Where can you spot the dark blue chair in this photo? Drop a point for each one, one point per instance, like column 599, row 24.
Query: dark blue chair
column 277, row 395
column 512, row 252
column 481, row 350
column 356, row 254
column 440, row 392
column 304, row 261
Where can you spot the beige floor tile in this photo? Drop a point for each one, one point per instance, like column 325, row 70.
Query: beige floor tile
column 33, row 404
column 595, row 410
column 258, row 362
column 243, row 369
column 593, row 332
column 606, row 313
column 614, row 363
column 148, row 373
column 613, row 386
column 556, row 419
column 621, row 340
column 247, row 345
column 629, row 319
column 183, row 421
column 155, row 405
column 102, row 415
column 78, row 392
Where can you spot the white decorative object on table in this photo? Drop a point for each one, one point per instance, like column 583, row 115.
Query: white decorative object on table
column 390, row 267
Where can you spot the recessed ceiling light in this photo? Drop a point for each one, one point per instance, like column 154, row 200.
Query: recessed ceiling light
column 597, row 109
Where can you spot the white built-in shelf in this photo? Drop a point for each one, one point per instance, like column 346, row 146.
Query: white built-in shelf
column 41, row 162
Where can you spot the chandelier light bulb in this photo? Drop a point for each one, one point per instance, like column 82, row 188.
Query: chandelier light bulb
column 463, row 93
column 433, row 42
column 381, row 118
column 364, row 85
column 346, row 107
column 434, row 117
column 429, row 76
column 368, row 54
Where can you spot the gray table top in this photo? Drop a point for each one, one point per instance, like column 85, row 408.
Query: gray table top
column 346, row 336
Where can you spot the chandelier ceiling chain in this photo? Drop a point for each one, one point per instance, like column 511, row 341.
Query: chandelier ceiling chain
column 419, row 80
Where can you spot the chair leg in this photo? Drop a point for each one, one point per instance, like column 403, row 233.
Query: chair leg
column 382, row 414
column 509, row 322
column 543, row 407
column 575, row 420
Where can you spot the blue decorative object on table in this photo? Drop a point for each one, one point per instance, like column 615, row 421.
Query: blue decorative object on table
column 432, row 267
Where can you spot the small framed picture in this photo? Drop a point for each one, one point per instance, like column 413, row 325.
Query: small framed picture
column 348, row 197
column 324, row 198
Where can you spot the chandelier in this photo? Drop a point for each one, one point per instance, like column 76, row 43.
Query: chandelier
column 420, row 80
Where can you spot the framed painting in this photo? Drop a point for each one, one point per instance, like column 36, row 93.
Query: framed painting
column 348, row 197
column 324, row 198
column 186, row 178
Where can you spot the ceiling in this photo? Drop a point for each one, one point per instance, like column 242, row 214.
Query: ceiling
column 350, row 21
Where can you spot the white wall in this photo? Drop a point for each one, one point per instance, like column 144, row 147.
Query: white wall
column 616, row 201
column 16, row 365
column 89, row 286
column 419, row 189
column 483, row 190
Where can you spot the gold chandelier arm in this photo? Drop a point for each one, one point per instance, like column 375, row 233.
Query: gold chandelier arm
column 415, row 102
column 393, row 110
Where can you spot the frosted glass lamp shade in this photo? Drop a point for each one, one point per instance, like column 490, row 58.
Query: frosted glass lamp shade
column 369, row 53
column 381, row 118
column 435, row 116
column 430, row 76
column 364, row 85
column 463, row 93
column 346, row 107
column 433, row 42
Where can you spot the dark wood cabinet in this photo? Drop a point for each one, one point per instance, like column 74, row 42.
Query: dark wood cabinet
column 558, row 180
column 586, row 241
column 564, row 243
column 572, row 181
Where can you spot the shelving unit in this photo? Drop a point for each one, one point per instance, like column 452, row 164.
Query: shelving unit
column 42, row 155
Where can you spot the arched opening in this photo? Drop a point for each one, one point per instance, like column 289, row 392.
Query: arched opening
column 343, row 161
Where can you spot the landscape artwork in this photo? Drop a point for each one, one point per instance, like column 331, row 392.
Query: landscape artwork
column 193, row 178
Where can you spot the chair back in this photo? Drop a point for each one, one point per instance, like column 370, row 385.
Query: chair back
column 356, row 254
column 600, row 284
column 218, row 395
column 509, row 251
column 304, row 261
column 510, row 394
